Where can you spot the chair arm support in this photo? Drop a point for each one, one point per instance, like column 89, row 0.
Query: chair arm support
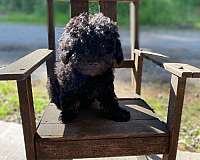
column 178, row 69
column 180, row 72
column 23, row 67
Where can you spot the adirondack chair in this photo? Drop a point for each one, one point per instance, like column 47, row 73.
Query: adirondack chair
column 90, row 136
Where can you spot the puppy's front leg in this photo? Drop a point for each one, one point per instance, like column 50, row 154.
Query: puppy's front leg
column 70, row 108
column 110, row 106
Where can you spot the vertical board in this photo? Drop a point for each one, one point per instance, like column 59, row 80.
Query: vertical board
column 51, row 41
column 51, row 29
column 136, row 28
column 109, row 8
column 28, row 116
column 138, row 60
column 78, row 6
column 134, row 24
column 176, row 99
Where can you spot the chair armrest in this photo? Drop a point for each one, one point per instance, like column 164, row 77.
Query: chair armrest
column 178, row 69
column 23, row 67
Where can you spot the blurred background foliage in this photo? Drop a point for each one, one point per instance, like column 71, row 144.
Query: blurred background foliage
column 152, row 12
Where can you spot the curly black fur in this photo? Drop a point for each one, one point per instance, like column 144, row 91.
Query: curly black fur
column 87, row 49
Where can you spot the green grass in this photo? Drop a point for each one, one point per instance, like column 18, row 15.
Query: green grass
column 60, row 19
column 152, row 12
column 17, row 17
column 157, row 97
column 9, row 103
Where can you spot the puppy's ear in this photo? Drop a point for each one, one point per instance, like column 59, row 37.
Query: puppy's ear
column 118, row 53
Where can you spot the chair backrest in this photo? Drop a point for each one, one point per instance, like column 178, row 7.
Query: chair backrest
column 107, row 7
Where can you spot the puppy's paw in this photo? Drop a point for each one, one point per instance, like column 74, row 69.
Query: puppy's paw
column 67, row 116
column 119, row 115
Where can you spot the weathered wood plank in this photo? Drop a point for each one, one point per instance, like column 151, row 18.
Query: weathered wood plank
column 137, row 72
column 101, row 148
column 157, row 58
column 178, row 69
column 78, row 6
column 114, row 0
column 51, row 28
column 139, row 109
column 125, row 64
column 177, row 92
column 50, row 63
column 136, row 22
column 109, row 8
column 23, row 67
column 143, row 123
column 183, row 70
column 28, row 116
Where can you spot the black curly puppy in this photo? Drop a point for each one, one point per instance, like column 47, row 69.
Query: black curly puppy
column 88, row 47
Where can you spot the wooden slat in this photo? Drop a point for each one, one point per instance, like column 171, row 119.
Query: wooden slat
column 178, row 69
column 25, row 65
column 112, row 0
column 143, row 123
column 28, row 116
column 78, row 6
column 100, row 148
column 156, row 58
column 176, row 98
column 125, row 64
column 51, row 28
column 51, row 41
column 90, row 136
column 136, row 22
column 182, row 70
column 109, row 8
column 140, row 111
column 137, row 73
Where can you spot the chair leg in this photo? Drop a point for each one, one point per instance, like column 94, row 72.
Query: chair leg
column 177, row 92
column 171, row 156
column 28, row 116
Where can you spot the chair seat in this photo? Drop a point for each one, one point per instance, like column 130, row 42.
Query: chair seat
column 95, row 136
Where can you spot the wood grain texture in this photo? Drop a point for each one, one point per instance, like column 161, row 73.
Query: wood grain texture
column 137, row 72
column 50, row 63
column 23, row 67
column 28, row 116
column 114, row 0
column 109, row 8
column 95, row 148
column 136, row 22
column 178, row 69
column 177, row 92
column 51, row 28
column 183, row 70
column 136, row 76
column 125, row 64
column 143, row 123
column 92, row 136
column 78, row 6
column 157, row 58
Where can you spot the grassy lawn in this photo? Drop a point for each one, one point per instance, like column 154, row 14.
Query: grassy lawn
column 155, row 95
column 9, row 104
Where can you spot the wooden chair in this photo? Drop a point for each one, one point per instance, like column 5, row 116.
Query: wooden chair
column 89, row 136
